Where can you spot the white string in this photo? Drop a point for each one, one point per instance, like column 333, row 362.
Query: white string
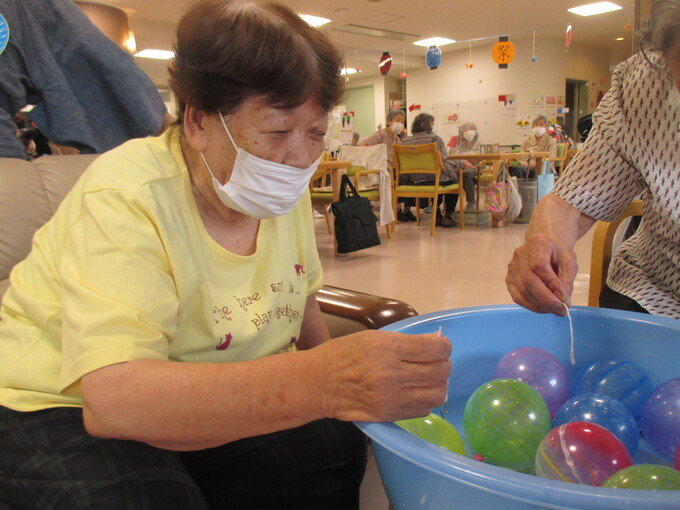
column 445, row 407
column 571, row 332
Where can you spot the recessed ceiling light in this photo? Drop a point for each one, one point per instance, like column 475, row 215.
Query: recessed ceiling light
column 315, row 21
column 434, row 41
column 619, row 39
column 349, row 70
column 596, row 8
column 157, row 54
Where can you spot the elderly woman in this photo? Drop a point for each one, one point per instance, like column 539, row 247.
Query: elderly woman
column 388, row 135
column 622, row 157
column 422, row 131
column 537, row 141
column 161, row 346
column 468, row 143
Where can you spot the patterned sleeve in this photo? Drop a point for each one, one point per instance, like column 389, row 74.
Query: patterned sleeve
column 601, row 179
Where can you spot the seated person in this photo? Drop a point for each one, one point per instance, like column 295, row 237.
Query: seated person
column 537, row 141
column 161, row 346
column 468, row 143
column 355, row 138
column 390, row 134
column 422, row 132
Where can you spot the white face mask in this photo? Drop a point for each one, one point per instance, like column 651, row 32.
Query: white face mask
column 397, row 127
column 469, row 135
column 538, row 131
column 260, row 188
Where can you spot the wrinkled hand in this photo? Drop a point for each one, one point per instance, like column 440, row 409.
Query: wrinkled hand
column 384, row 376
column 541, row 275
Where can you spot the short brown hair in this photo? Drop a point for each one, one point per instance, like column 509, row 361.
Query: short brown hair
column 230, row 50
column 422, row 123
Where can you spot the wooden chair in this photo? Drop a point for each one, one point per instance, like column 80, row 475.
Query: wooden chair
column 560, row 158
column 364, row 179
column 570, row 154
column 423, row 159
column 604, row 247
column 321, row 192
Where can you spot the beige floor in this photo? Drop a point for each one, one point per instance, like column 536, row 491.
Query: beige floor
column 457, row 268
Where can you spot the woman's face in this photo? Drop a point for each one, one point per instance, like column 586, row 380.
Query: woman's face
column 291, row 136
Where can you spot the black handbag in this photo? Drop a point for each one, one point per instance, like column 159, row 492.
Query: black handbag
column 355, row 224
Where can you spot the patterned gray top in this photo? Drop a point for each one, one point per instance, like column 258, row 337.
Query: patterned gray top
column 634, row 147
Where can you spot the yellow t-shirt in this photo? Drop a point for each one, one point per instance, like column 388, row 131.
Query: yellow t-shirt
column 126, row 270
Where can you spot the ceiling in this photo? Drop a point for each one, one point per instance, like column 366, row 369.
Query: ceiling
column 397, row 24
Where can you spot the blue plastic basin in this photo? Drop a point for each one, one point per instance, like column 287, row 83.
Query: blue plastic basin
column 419, row 475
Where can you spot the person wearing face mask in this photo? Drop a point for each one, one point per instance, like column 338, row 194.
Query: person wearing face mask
column 622, row 158
column 161, row 346
column 468, row 143
column 390, row 134
column 537, row 141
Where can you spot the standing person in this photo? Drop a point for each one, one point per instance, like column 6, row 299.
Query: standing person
column 620, row 159
column 422, row 129
column 468, row 143
column 537, row 141
column 88, row 93
column 390, row 134
column 161, row 346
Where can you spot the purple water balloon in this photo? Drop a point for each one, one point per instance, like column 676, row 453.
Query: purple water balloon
column 661, row 418
column 540, row 370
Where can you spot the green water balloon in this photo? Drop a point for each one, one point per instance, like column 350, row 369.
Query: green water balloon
column 645, row 477
column 505, row 421
column 436, row 430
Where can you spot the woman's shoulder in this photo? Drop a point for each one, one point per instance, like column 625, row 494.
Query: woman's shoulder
column 134, row 164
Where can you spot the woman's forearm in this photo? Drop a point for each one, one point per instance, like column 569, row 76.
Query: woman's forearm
column 190, row 406
column 559, row 221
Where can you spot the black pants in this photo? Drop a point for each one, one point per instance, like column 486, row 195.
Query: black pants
column 48, row 461
column 612, row 299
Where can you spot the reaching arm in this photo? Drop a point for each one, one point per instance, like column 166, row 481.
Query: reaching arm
column 367, row 376
column 542, row 271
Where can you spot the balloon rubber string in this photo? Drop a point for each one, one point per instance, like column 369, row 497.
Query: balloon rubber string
column 571, row 332
column 445, row 408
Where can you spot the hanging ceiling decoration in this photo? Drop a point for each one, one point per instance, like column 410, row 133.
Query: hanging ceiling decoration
column 433, row 57
column 403, row 73
column 385, row 63
column 469, row 63
column 534, row 58
column 503, row 52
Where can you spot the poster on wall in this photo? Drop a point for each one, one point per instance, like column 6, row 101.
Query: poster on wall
column 340, row 128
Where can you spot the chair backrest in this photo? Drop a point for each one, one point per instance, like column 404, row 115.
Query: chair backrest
column 415, row 159
column 603, row 248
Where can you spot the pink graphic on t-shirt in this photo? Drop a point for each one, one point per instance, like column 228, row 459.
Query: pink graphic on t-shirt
column 223, row 344
column 298, row 269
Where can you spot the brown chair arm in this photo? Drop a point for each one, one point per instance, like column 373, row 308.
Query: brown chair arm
column 371, row 311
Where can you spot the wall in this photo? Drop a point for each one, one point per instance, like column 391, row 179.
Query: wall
column 473, row 93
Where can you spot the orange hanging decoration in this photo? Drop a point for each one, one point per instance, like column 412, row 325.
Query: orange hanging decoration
column 503, row 52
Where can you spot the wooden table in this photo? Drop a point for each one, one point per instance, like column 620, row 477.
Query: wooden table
column 496, row 158
column 501, row 156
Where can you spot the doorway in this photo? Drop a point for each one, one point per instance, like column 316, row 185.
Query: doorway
column 577, row 101
column 361, row 101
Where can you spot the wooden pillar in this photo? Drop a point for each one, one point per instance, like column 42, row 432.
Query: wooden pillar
column 110, row 20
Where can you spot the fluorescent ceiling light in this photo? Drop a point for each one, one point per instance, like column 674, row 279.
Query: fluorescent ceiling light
column 349, row 70
column 434, row 41
column 314, row 21
column 157, row 54
column 596, row 8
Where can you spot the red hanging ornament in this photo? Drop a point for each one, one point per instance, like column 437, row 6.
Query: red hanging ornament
column 385, row 63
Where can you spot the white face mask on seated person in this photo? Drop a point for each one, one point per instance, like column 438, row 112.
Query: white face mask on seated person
column 258, row 187
column 538, row 131
column 469, row 135
column 397, row 127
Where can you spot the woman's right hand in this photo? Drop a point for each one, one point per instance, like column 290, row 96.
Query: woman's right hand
column 383, row 375
column 541, row 275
